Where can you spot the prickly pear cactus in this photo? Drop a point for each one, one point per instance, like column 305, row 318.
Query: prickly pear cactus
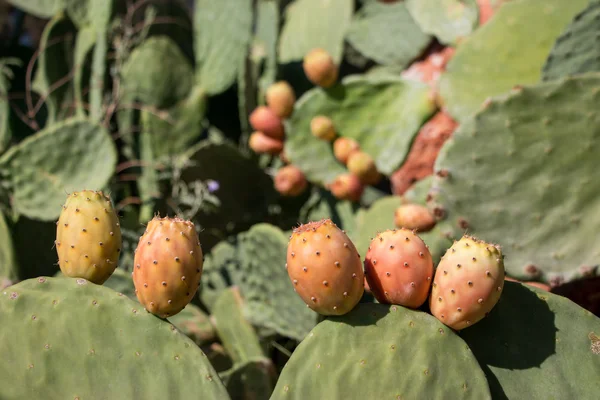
column 508, row 50
column 54, row 328
column 387, row 34
column 353, row 356
column 311, row 24
column 88, row 236
column 521, row 174
column 8, row 261
column 564, row 360
column 60, row 159
column 5, row 131
column 39, row 8
column 449, row 20
column 167, row 267
column 382, row 113
column 577, row 50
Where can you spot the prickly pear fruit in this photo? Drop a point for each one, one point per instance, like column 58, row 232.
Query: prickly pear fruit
column 414, row 216
column 399, row 268
column 320, row 68
column 322, row 128
column 468, row 282
column 325, row 268
column 265, row 120
column 280, row 98
column 343, row 147
column 261, row 143
column 88, row 237
column 167, row 266
column 290, row 181
column 346, row 187
column 362, row 165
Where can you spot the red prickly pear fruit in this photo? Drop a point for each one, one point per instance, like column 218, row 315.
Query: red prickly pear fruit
column 362, row 165
column 325, row 268
column 265, row 120
column 290, row 181
column 343, row 147
column 320, row 68
column 399, row 268
column 261, row 143
column 88, row 237
column 167, row 266
column 414, row 217
column 468, row 283
column 280, row 98
column 346, row 187
column 322, row 128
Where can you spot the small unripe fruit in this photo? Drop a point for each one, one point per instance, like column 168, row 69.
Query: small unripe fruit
column 265, row 120
column 261, row 143
column 280, row 98
column 322, row 128
column 347, row 187
column 320, row 68
column 88, row 237
column 362, row 165
column 414, row 216
column 290, row 181
column 343, row 147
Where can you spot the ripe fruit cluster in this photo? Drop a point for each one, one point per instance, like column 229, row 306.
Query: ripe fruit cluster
column 327, row 273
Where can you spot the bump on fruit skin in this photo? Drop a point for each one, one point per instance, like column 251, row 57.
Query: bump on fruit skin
column 322, row 128
column 343, row 147
column 265, row 120
column 347, row 187
column 414, row 216
column 88, row 237
column 261, row 143
column 325, row 268
column 280, row 98
column 362, row 165
column 290, row 181
column 167, row 266
column 468, row 283
column 320, row 68
column 399, row 268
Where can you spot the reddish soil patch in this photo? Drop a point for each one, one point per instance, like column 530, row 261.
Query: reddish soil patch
column 423, row 152
column 431, row 68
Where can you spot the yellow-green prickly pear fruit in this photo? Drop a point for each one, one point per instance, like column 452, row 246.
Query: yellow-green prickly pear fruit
column 88, row 237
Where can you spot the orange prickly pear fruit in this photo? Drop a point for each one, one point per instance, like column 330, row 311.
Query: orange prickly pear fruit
column 320, row 68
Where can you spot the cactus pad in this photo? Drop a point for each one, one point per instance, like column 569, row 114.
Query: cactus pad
column 8, row 266
column 68, row 155
column 39, row 8
column 387, row 34
column 313, row 24
column 577, row 50
column 382, row 113
column 521, row 173
column 382, row 352
column 562, row 362
column 55, row 328
column 449, row 20
column 5, row 131
column 508, row 50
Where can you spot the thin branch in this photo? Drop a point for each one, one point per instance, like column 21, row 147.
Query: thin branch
column 29, row 122
column 55, row 86
column 137, row 163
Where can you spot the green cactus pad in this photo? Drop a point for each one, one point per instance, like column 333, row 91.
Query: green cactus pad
column 255, row 262
column 508, row 50
column 387, row 34
column 39, row 8
column 56, row 328
column 380, row 217
column 577, row 50
column 253, row 379
column 84, row 43
column 54, row 66
column 537, row 345
column 222, row 32
column 155, row 83
column 382, row 113
column 311, row 24
column 521, row 174
column 265, row 44
column 417, row 194
column 382, row 352
column 8, row 261
column 449, row 20
column 321, row 204
column 65, row 157
column 5, row 132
